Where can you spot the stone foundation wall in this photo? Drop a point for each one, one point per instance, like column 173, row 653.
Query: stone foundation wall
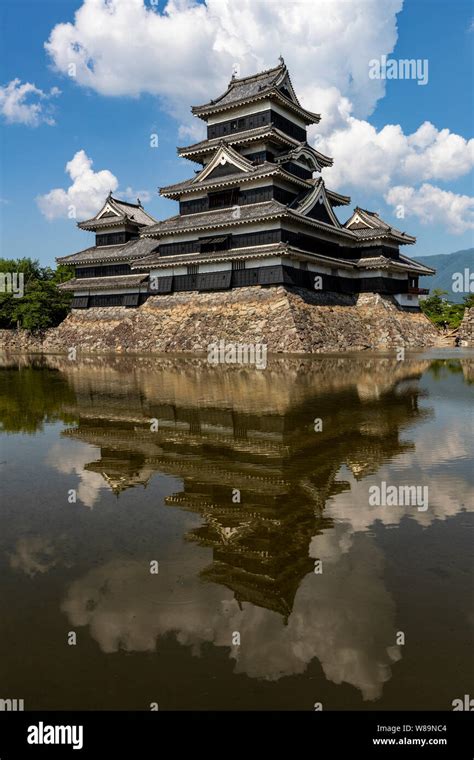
column 288, row 321
column 466, row 328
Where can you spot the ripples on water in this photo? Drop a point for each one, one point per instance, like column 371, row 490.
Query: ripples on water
column 239, row 501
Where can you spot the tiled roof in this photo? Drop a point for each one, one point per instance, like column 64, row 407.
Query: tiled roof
column 131, row 213
column 368, row 225
column 253, row 211
column 260, row 170
column 337, row 199
column 384, row 262
column 93, row 254
column 107, row 221
column 304, row 147
column 245, row 87
column 250, row 252
column 418, row 264
column 123, row 252
column 382, row 232
column 135, row 212
column 142, row 246
column 249, row 135
column 103, row 283
column 254, row 87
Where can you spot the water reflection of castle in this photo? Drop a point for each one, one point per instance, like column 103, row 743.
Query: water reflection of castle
column 251, row 462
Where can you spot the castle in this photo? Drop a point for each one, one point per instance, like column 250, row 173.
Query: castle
column 256, row 213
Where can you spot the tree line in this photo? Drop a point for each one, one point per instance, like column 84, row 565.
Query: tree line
column 441, row 311
column 40, row 304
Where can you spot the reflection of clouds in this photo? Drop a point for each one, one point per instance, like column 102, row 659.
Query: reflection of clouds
column 32, row 555
column 343, row 617
column 440, row 459
column 450, row 443
column 446, row 498
column 70, row 457
column 128, row 608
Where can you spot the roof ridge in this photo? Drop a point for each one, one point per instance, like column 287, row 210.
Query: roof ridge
column 237, row 80
column 366, row 211
column 126, row 203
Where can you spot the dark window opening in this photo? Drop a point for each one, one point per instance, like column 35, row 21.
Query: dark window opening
column 234, row 197
column 210, row 245
column 130, row 299
column 80, row 302
column 194, row 206
column 254, row 120
column 114, row 238
column 106, row 300
column 215, row 280
column 256, row 238
column 109, row 270
column 174, row 249
column 224, row 198
column 297, row 170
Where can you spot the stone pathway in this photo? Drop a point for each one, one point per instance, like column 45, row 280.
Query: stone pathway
column 447, row 339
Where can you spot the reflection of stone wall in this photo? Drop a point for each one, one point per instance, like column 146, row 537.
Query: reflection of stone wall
column 189, row 382
column 286, row 320
column 466, row 329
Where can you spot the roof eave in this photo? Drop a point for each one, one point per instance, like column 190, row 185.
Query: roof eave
column 203, row 147
column 92, row 225
column 203, row 112
column 272, row 249
column 210, row 226
column 174, row 192
column 337, row 199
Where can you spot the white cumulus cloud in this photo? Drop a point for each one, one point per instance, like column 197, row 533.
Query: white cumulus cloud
column 87, row 192
column 26, row 104
column 185, row 54
column 432, row 204
column 378, row 159
column 84, row 196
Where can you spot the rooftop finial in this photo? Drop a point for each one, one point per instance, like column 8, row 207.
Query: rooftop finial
column 281, row 60
column 139, row 201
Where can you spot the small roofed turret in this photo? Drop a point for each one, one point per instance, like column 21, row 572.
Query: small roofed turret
column 116, row 212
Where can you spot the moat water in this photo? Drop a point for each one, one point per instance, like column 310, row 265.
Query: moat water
column 200, row 537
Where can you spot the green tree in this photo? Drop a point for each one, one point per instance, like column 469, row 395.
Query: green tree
column 30, row 396
column 439, row 310
column 42, row 304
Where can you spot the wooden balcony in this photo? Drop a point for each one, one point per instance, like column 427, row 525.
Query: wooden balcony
column 418, row 291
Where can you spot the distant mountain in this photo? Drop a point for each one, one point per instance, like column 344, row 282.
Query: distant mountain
column 446, row 264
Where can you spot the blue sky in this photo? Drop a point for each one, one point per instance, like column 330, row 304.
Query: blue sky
column 145, row 81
